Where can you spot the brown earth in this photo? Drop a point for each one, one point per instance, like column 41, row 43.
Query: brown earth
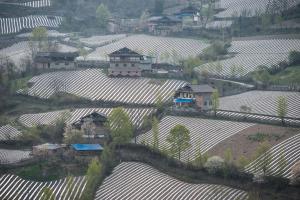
column 240, row 144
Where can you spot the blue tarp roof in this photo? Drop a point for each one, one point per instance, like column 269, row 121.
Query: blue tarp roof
column 87, row 147
column 184, row 100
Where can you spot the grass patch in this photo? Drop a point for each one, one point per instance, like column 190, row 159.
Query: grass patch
column 260, row 137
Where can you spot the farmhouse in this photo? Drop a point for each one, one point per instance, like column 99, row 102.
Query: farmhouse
column 189, row 12
column 194, row 96
column 164, row 25
column 125, row 62
column 55, row 60
column 93, row 125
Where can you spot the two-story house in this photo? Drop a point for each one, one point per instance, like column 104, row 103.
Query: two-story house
column 194, row 96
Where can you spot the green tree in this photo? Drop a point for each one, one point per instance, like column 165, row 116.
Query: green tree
column 200, row 158
column 83, row 52
column 159, row 7
column 155, row 132
column 242, row 162
column 102, row 15
column 282, row 106
column 72, row 136
column 189, row 65
column 47, row 194
column 120, row 126
column 215, row 101
column 38, row 40
column 228, row 156
column 159, row 103
column 264, row 157
column 93, row 179
column 179, row 139
column 106, row 158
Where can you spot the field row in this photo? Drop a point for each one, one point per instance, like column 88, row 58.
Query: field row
column 288, row 150
column 165, row 49
column 13, row 187
column 96, row 41
column 9, row 132
column 94, row 85
column 17, row 24
column 250, row 54
column 13, row 156
column 236, row 8
column 204, row 133
column 136, row 115
column 36, row 4
column 131, row 180
column 262, row 102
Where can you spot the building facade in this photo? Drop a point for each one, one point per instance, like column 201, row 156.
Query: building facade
column 194, row 96
column 125, row 62
column 55, row 60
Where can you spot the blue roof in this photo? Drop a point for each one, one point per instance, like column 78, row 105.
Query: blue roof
column 184, row 100
column 87, row 147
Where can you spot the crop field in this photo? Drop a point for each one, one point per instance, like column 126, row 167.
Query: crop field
column 131, row 180
column 215, row 25
column 249, row 54
column 9, row 132
column 204, row 133
column 165, row 49
column 262, row 102
column 248, row 8
column 289, row 149
column 21, row 50
column 94, row 85
column 36, row 4
column 13, row 187
column 96, row 41
column 136, row 115
column 13, row 156
column 17, row 24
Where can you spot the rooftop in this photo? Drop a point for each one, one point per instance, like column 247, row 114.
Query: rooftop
column 198, row 88
column 125, row 52
column 87, row 147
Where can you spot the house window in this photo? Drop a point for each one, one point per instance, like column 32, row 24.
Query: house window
column 117, row 65
column 125, row 65
column 132, row 65
column 205, row 103
column 66, row 63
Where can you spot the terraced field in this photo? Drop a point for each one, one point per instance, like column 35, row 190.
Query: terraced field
column 17, row 24
column 13, row 156
column 237, row 8
column 128, row 182
column 136, row 115
column 291, row 151
column 207, row 132
column 36, row 4
column 96, row 41
column 165, row 49
column 13, row 187
column 95, row 85
column 262, row 102
column 249, row 54
column 9, row 132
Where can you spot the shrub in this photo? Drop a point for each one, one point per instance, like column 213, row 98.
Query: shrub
column 214, row 165
column 294, row 58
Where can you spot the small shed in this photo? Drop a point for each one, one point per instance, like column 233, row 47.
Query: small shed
column 47, row 149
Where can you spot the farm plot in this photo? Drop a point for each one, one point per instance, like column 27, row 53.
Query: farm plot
column 291, row 152
column 249, row 54
column 236, row 8
column 21, row 50
column 94, row 85
column 204, row 133
column 13, row 187
column 164, row 49
column 36, row 4
column 136, row 115
column 17, row 24
column 96, row 41
column 128, row 182
column 13, row 156
column 262, row 102
column 9, row 132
